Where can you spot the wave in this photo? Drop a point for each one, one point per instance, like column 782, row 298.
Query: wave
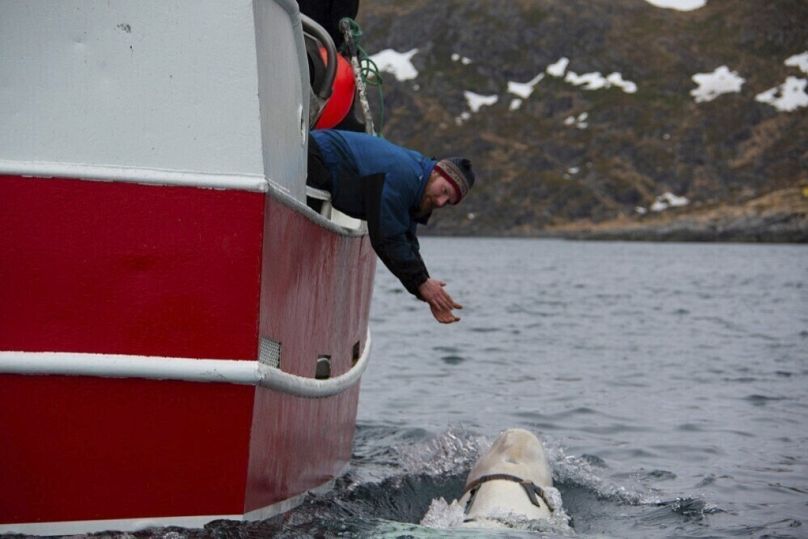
column 400, row 479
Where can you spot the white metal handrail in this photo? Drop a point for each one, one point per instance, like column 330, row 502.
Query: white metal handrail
column 181, row 369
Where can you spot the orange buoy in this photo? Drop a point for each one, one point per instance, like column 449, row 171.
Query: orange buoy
column 342, row 94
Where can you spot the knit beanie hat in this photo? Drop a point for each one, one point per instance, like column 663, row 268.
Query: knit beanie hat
column 457, row 170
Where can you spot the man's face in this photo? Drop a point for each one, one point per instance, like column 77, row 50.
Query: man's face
column 438, row 193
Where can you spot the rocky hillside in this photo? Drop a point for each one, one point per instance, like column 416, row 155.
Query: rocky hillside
column 605, row 128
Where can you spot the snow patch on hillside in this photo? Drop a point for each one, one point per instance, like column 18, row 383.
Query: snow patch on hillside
column 462, row 59
column 679, row 5
column 557, row 69
column 790, row 95
column 523, row 90
column 596, row 81
column 668, row 200
column 397, row 63
column 579, row 121
column 590, row 81
column 799, row 60
column 720, row 81
column 787, row 97
column 475, row 101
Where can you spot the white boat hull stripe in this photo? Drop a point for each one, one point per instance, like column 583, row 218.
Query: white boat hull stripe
column 217, row 180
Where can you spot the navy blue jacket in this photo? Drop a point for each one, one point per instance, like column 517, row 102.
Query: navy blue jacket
column 375, row 180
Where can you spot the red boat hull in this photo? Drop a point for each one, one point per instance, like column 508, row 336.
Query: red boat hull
column 182, row 272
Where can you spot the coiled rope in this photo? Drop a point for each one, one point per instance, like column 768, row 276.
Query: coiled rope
column 368, row 70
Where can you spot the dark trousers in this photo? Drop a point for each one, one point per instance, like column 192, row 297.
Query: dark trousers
column 318, row 176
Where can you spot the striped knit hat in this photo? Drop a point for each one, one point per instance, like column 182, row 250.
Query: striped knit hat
column 457, row 170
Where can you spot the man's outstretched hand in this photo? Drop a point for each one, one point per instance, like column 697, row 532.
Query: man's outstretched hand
column 440, row 302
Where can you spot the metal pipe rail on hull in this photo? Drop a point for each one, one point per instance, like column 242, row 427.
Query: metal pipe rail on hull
column 241, row 372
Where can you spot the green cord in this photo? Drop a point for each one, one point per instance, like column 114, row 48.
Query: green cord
column 368, row 70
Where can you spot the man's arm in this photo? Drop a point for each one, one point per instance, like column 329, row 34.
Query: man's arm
column 401, row 255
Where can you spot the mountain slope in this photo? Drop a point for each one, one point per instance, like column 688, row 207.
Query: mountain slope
column 566, row 154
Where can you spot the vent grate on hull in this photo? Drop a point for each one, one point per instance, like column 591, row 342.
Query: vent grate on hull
column 270, row 353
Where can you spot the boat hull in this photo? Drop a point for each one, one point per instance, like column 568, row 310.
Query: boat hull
column 151, row 271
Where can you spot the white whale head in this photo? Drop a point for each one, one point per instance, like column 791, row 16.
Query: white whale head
column 517, row 452
column 502, row 479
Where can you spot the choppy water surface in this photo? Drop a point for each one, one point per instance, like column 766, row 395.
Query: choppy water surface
column 668, row 382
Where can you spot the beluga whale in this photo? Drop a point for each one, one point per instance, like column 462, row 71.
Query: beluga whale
column 512, row 477
column 509, row 486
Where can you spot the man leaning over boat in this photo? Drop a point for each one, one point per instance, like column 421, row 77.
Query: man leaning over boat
column 394, row 189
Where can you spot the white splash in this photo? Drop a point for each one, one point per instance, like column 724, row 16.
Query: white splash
column 557, row 69
column 711, row 85
column 679, row 5
column 799, row 60
column 640, row 210
column 788, row 96
column 397, row 63
column 462, row 59
column 668, row 200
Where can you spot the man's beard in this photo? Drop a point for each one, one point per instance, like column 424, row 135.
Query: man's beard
column 425, row 207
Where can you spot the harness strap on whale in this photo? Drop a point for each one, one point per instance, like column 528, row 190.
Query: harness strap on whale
column 533, row 491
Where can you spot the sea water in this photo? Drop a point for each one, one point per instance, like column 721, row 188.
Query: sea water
column 669, row 383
